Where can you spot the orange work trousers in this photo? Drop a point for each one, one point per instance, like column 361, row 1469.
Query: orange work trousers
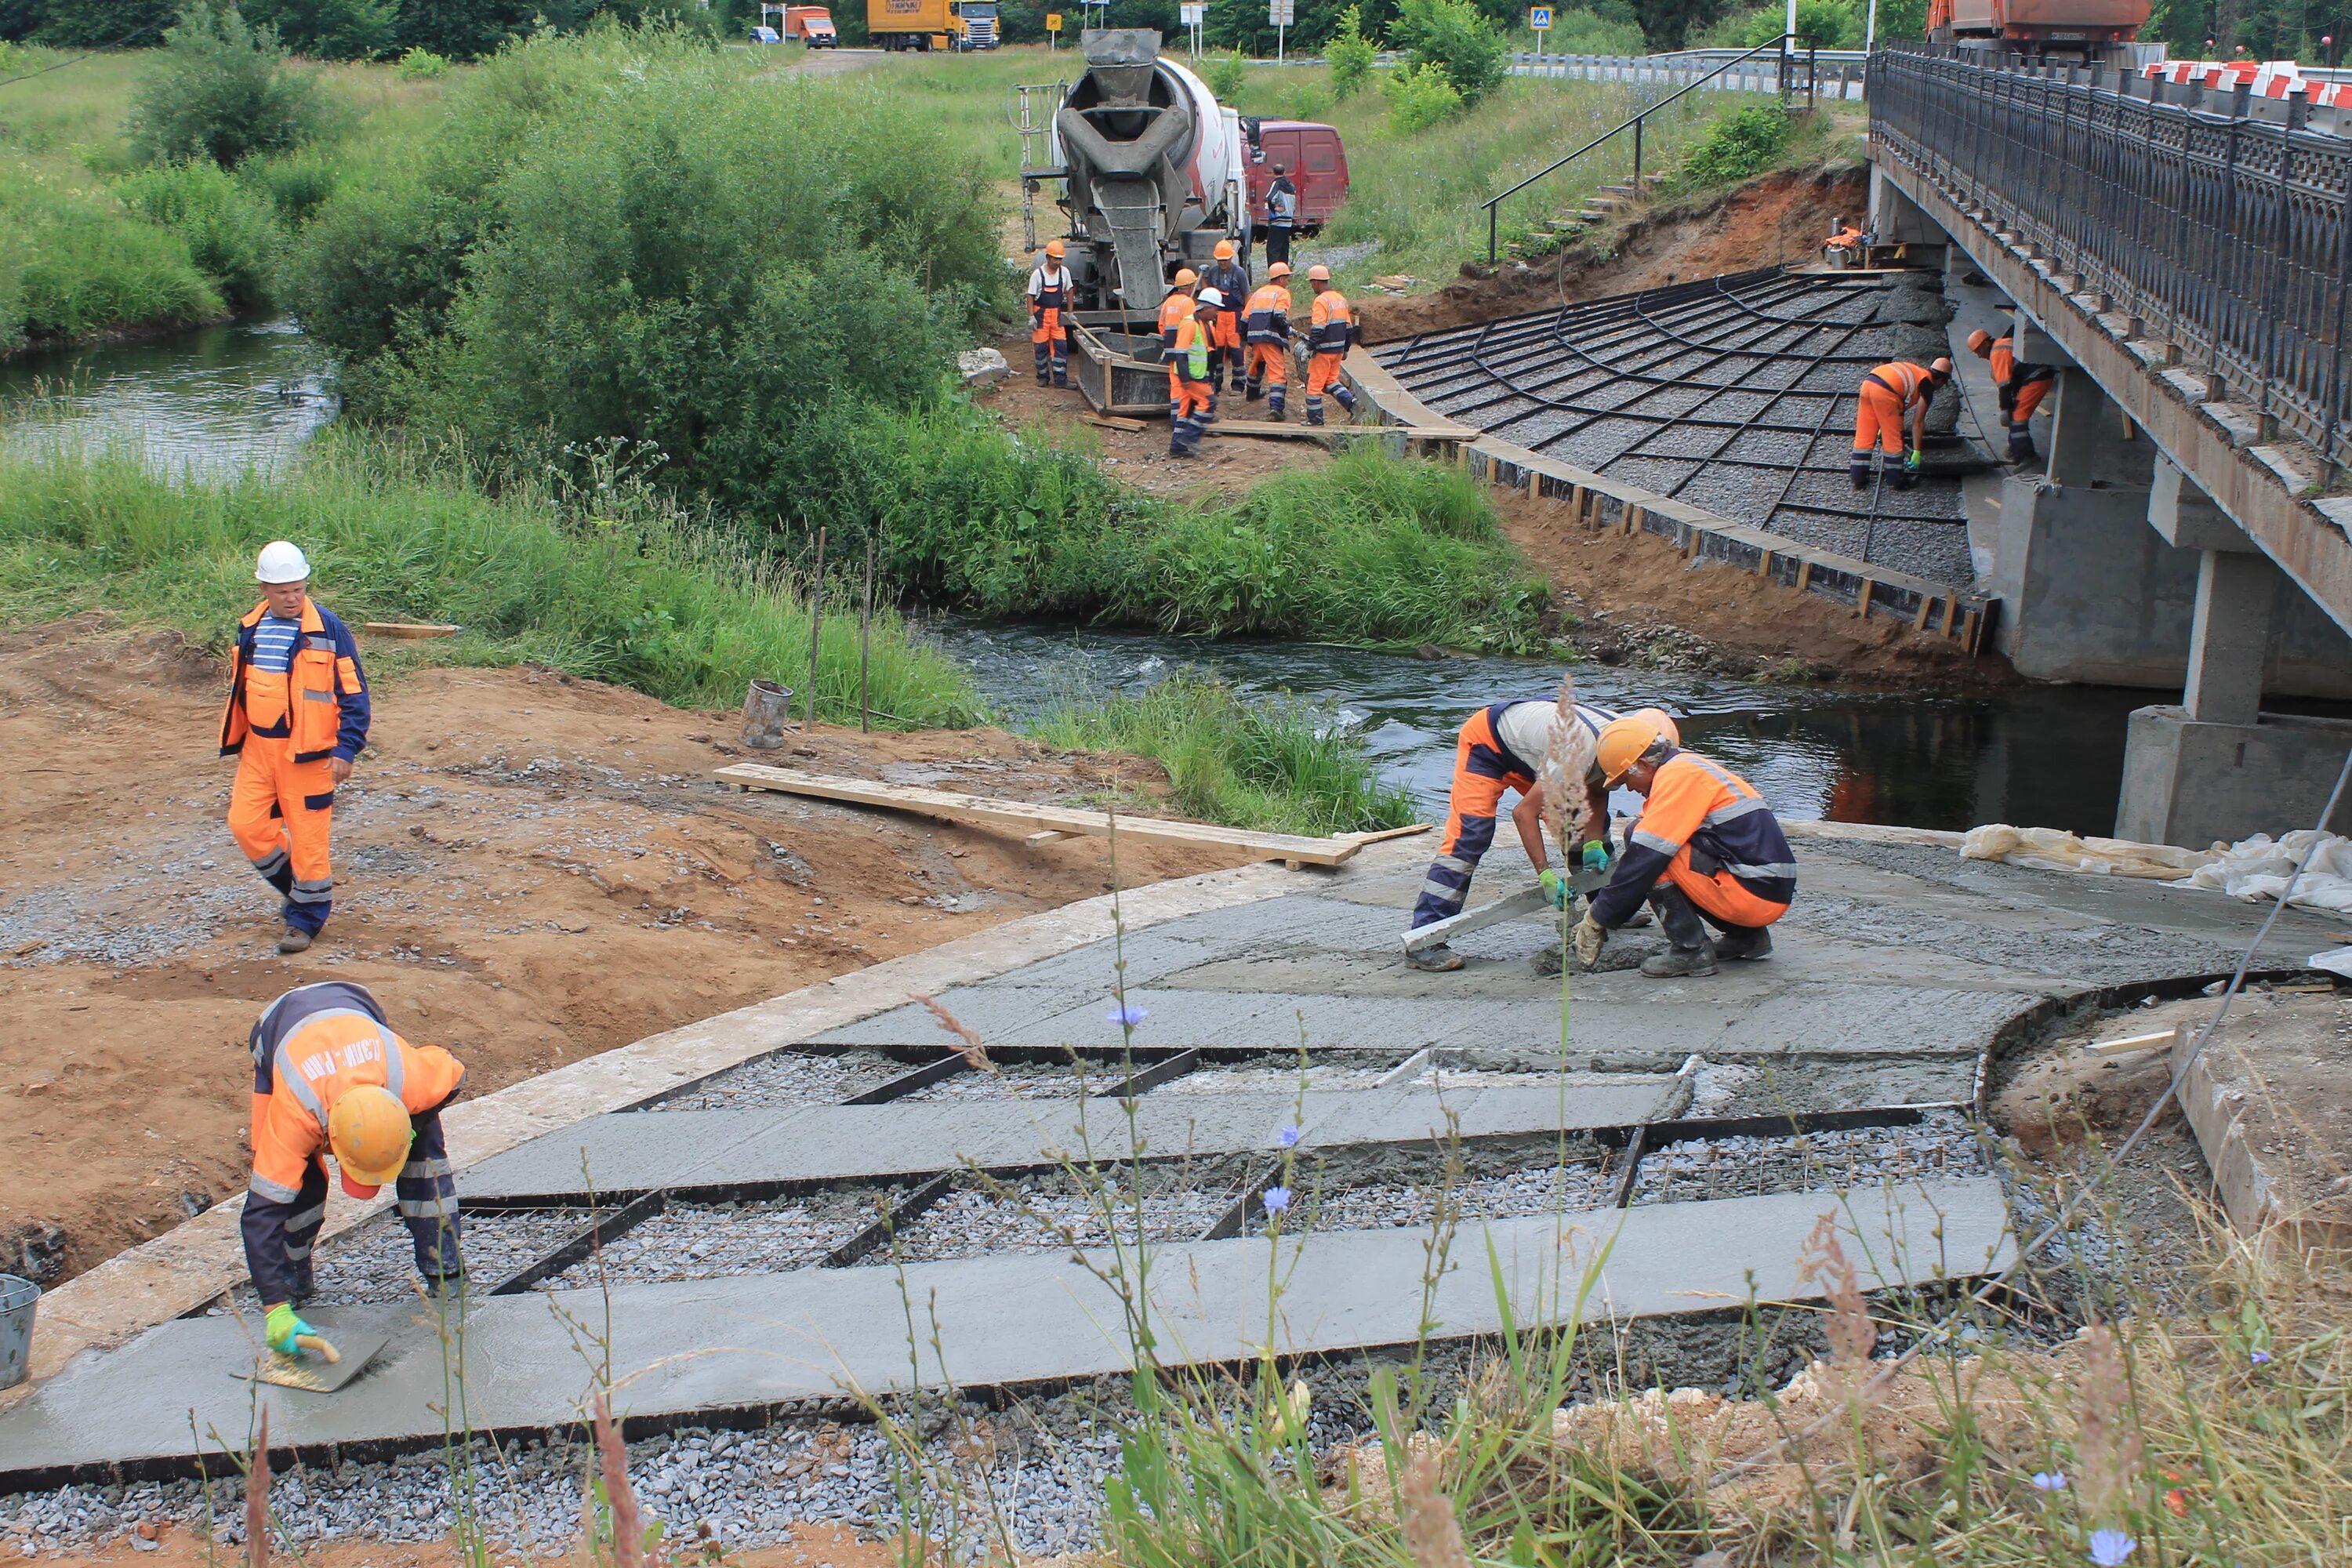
column 2029, row 398
column 1269, row 365
column 280, row 812
column 1878, row 421
column 1720, row 894
column 1323, row 373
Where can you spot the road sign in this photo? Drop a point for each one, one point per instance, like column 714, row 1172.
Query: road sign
column 1053, row 21
column 1195, row 15
column 1539, row 18
column 1281, row 13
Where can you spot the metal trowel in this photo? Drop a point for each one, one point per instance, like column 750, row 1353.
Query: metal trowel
column 322, row 1368
column 1526, row 901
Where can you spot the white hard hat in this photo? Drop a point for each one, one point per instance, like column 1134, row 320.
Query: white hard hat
column 282, row 563
column 1210, row 297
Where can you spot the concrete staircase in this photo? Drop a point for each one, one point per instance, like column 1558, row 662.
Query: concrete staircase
column 1599, row 208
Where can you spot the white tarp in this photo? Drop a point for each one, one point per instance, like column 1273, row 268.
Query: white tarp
column 2252, row 869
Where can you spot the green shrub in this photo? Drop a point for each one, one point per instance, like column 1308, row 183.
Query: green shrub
column 222, row 91
column 330, row 29
column 232, row 234
column 1276, row 764
column 1611, row 28
column 1452, row 38
column 82, row 263
column 1739, row 146
column 422, row 65
column 1419, row 96
column 295, row 183
column 1350, row 54
column 1226, row 75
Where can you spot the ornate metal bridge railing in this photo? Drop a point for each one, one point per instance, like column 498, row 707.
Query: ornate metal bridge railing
column 2227, row 234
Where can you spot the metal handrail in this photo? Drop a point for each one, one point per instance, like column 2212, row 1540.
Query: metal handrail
column 1493, row 204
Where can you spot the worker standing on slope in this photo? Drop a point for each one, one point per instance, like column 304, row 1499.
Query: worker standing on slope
column 296, row 717
column 1050, row 287
column 1174, row 310
column 1331, row 329
column 1498, row 749
column 1889, row 393
column 1190, row 395
column 330, row 1077
column 1267, row 329
column 1706, row 850
column 1231, row 280
column 1281, row 218
column 2021, row 388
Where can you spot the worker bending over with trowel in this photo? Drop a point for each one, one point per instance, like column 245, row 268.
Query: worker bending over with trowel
column 1706, row 850
column 1267, row 328
column 330, row 1077
column 2021, row 388
column 1330, row 328
column 1501, row 747
column 1890, row 394
column 296, row 718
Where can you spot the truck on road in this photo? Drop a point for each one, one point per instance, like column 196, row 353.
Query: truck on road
column 812, row 24
column 957, row 25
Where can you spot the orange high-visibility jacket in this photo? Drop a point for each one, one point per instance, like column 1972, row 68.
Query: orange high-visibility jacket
column 1330, row 323
column 313, row 1045
column 321, row 701
column 1700, row 808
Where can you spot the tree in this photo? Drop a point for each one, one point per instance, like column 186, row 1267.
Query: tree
column 1350, row 54
column 1668, row 24
column 460, row 29
column 91, row 23
column 332, row 29
column 1452, row 38
column 222, row 91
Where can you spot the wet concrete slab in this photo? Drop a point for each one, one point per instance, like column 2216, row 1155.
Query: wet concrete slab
column 684, row 1150
column 742, row 1343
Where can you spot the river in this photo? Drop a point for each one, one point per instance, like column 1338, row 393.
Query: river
column 248, row 393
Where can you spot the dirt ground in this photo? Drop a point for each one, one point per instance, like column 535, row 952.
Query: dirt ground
column 529, row 869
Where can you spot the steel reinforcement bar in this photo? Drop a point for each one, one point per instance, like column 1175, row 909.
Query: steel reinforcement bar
column 2220, row 224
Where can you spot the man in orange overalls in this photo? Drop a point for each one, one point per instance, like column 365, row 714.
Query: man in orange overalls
column 330, row 1077
column 1267, row 329
column 1844, row 246
column 1889, row 393
column 1231, row 280
column 297, row 717
column 1331, row 329
column 1706, row 850
column 1050, row 287
column 2021, row 388
column 1189, row 391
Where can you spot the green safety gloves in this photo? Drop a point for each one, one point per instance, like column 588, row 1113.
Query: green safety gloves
column 1911, row 459
column 1587, row 937
column 281, row 1327
column 1595, row 856
column 1555, row 891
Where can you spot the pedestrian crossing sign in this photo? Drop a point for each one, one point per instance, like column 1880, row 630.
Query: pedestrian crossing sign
column 1539, row 18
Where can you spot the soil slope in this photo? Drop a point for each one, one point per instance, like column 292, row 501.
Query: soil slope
column 528, row 868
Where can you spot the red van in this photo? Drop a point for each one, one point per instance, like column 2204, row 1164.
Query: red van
column 1317, row 161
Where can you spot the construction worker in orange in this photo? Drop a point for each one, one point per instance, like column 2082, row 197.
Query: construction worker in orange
column 330, row 1077
column 1892, row 393
column 297, row 716
column 1844, row 246
column 1174, row 310
column 1268, row 332
column 1050, row 287
column 1231, row 280
column 2021, row 388
column 1190, row 393
column 1331, row 329
column 1706, row 850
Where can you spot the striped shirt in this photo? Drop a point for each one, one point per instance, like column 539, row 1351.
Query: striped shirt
column 273, row 644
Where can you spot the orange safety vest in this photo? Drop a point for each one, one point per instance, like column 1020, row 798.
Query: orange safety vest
column 1176, row 309
column 1269, row 313
column 1906, row 381
column 328, row 1053
column 1330, row 323
column 1190, row 362
column 305, row 703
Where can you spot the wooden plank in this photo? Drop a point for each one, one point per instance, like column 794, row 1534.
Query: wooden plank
column 1526, row 901
column 1407, row 831
column 413, row 630
column 1114, row 422
column 952, row 806
column 1045, row 836
column 2129, row 1043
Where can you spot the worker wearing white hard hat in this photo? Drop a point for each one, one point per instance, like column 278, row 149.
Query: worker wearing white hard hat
column 296, row 718
column 1189, row 363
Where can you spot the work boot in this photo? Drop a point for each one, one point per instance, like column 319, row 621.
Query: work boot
column 1691, row 952
column 1861, row 478
column 1677, row 962
column 1314, row 416
column 1441, row 958
column 1252, row 392
column 296, row 939
column 305, row 1284
column 1744, row 943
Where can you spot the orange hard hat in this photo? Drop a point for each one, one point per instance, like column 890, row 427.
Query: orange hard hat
column 1186, row 278
column 1980, row 342
column 1279, row 270
column 1319, row 273
column 369, row 1130
column 1225, row 250
column 1621, row 742
column 1055, row 248
column 1942, row 367
column 1664, row 721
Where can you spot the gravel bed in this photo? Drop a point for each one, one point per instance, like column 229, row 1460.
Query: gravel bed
column 1023, row 1080
column 377, row 1261
column 1047, row 1213
column 713, row 1241
column 791, row 1078
column 1820, row 1161
column 1550, row 1188
column 1278, row 1074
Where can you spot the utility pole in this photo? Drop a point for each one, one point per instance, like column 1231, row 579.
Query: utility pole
column 1869, row 28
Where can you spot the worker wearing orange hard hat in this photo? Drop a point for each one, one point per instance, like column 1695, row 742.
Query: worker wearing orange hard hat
column 296, row 720
column 1891, row 394
column 1331, row 329
column 1705, row 851
column 1499, row 749
column 329, row 1077
column 2021, row 388
column 1189, row 366
column 1266, row 326
column 1051, row 289
column 1230, row 278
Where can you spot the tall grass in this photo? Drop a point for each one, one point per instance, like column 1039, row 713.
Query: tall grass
column 74, row 259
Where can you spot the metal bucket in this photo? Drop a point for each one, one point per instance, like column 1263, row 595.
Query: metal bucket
column 767, row 707
column 17, row 1299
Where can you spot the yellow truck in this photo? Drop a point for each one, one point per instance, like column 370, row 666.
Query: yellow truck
column 932, row 24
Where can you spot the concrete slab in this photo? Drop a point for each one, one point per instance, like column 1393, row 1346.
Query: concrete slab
column 684, row 1149
column 1873, row 1021
column 994, row 1010
column 754, row 1341
column 2271, row 1108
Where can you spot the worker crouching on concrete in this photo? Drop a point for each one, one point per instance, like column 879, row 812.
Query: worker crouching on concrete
column 1231, row 280
column 1050, row 287
column 2021, row 388
column 1331, row 329
column 1190, row 392
column 296, row 717
column 1843, row 248
column 1706, row 850
column 1891, row 394
column 330, row 1077
column 1267, row 329
column 1500, row 748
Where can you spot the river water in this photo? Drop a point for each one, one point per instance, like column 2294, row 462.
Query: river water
column 248, row 393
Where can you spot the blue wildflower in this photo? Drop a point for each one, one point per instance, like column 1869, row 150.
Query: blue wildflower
column 1276, row 1199
column 1287, row 1138
column 2110, row 1547
column 2260, row 1358
column 2050, row 1480
column 1127, row 1015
